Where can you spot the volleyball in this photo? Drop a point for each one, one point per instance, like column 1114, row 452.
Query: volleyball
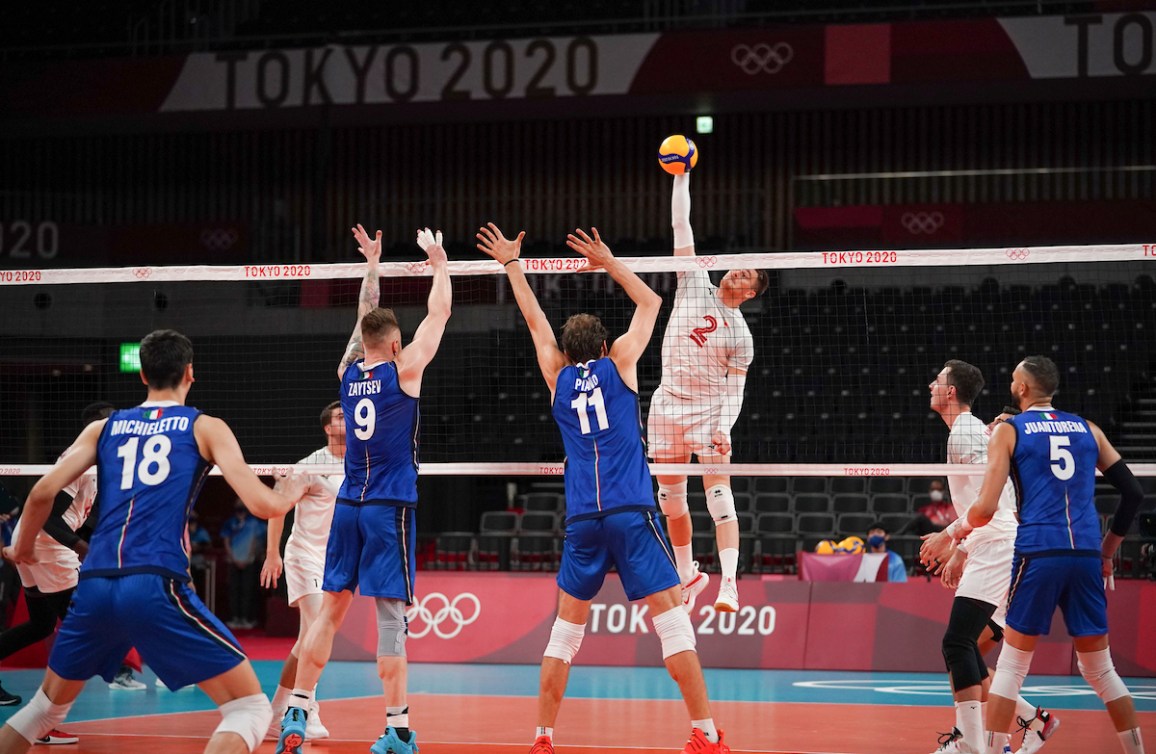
column 677, row 154
column 826, row 547
column 850, row 545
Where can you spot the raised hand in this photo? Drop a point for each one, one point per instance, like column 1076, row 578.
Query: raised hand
column 597, row 253
column 431, row 243
column 493, row 242
column 370, row 248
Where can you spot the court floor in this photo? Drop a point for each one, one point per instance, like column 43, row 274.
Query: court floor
column 490, row 709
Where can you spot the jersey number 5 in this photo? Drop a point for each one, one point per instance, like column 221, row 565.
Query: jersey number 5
column 1063, row 464
column 582, row 403
column 153, row 467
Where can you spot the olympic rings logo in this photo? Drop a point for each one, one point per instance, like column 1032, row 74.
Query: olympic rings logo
column 705, row 262
column 917, row 223
column 1018, row 255
column 218, row 239
column 762, row 57
column 447, row 612
column 416, row 268
column 142, row 273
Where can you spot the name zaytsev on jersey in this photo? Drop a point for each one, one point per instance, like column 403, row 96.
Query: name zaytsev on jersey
column 703, row 339
column 967, row 443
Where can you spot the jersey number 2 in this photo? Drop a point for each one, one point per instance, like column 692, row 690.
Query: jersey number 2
column 581, row 404
column 153, row 467
column 1063, row 464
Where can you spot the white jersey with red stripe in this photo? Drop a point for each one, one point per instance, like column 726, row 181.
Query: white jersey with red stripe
column 967, row 443
column 57, row 566
column 314, row 513
column 704, row 338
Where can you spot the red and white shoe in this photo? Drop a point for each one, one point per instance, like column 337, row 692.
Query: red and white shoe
column 1034, row 740
column 693, row 587
column 542, row 745
column 57, row 737
column 698, row 744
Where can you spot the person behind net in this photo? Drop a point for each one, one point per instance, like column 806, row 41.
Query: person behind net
column 610, row 516
column 978, row 571
column 373, row 532
column 1060, row 558
column 706, row 352
column 304, row 561
column 134, row 585
column 877, row 538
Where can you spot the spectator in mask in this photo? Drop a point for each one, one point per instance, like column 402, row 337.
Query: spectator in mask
column 877, row 542
column 935, row 514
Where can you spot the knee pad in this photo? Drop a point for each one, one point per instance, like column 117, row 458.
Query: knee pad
column 672, row 499
column 1010, row 671
column 674, row 631
column 248, row 717
column 565, row 640
column 1100, row 673
column 959, row 654
column 38, row 717
column 392, row 627
column 720, row 501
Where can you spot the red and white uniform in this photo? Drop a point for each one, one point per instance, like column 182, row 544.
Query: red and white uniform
column 58, row 567
column 305, row 550
column 987, row 575
column 704, row 339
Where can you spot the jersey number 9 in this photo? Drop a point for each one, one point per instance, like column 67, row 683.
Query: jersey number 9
column 365, row 417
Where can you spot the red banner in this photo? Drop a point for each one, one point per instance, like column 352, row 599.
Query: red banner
column 843, row 567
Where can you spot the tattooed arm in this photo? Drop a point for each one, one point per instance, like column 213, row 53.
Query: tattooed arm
column 368, row 298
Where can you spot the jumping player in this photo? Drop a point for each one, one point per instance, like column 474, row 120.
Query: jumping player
column 610, row 519
column 371, row 542
column 304, row 561
column 1052, row 457
column 134, row 584
column 706, row 352
column 978, row 613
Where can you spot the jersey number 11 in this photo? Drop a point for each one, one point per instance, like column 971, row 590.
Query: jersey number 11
column 582, row 403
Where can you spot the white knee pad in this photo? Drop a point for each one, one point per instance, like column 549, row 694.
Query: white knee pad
column 720, row 501
column 392, row 627
column 1101, row 675
column 674, row 631
column 38, row 717
column 248, row 717
column 672, row 499
column 1010, row 671
column 565, row 640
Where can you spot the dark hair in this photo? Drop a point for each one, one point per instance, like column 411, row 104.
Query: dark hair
column 378, row 324
column 762, row 280
column 164, row 354
column 878, row 525
column 1043, row 370
column 966, row 379
column 327, row 413
column 96, row 411
column 582, row 337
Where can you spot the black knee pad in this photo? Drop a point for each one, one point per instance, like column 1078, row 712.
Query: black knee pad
column 960, row 653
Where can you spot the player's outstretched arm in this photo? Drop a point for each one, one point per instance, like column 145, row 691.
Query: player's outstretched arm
column 1117, row 473
column 428, row 336
column 680, row 216
column 367, row 299
column 551, row 360
column 218, row 445
column 37, row 508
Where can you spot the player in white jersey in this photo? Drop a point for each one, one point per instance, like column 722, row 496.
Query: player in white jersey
column 979, row 569
column 706, row 352
column 304, row 561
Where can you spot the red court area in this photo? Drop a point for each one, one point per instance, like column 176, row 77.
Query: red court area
column 460, row 724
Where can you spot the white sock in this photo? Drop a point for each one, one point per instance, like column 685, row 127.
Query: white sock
column 543, row 730
column 684, row 562
column 1027, row 711
column 707, row 728
column 996, row 742
column 1131, row 741
column 397, row 717
column 301, row 698
column 969, row 720
column 728, row 560
column 280, row 702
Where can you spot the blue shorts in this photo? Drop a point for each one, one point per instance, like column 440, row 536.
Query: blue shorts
column 164, row 619
column 630, row 541
column 1040, row 584
column 371, row 548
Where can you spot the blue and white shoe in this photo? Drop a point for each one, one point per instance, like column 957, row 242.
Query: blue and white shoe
column 390, row 743
column 292, row 732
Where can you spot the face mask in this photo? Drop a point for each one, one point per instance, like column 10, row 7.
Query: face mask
column 935, row 495
column 876, row 539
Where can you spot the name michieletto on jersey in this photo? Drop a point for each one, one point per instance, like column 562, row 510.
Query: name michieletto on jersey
column 150, row 427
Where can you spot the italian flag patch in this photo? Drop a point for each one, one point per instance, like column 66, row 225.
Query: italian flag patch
column 1046, row 415
column 152, row 414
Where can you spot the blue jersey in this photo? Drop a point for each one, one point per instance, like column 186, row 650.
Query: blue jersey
column 381, row 425
column 149, row 473
column 601, row 427
column 1054, row 471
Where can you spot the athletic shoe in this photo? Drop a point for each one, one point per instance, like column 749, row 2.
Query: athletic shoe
column 57, row 737
column 728, row 597
column 693, row 587
column 124, row 681
column 8, row 700
column 542, row 745
column 1034, row 740
column 698, row 744
column 391, row 743
column 313, row 727
column 950, row 743
column 292, row 732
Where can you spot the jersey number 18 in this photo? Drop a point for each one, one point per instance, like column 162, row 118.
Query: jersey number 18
column 153, row 467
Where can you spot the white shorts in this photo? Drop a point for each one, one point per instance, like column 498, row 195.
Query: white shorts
column 56, row 568
column 987, row 575
column 303, row 576
column 677, row 428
